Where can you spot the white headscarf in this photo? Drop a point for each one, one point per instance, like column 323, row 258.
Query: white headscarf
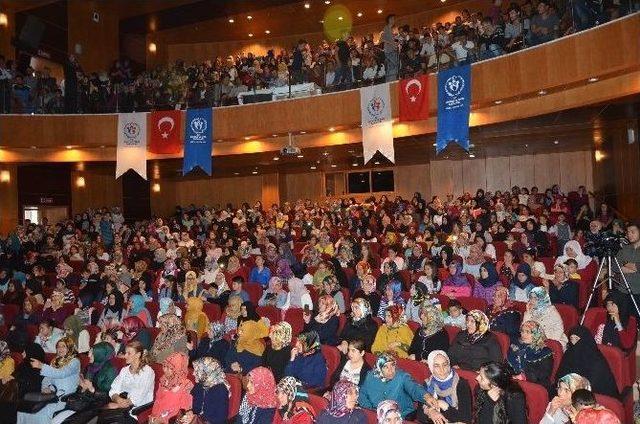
column 582, row 259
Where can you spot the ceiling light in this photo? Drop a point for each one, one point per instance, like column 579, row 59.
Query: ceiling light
column 333, row 165
column 249, row 17
column 153, row 47
column 300, row 156
column 250, row 34
column 68, row 147
column 556, row 142
column 354, row 164
column 80, row 182
column 340, row 18
column 471, row 155
column 274, row 135
column 322, row 21
column 359, row 15
column 325, row 153
column 33, row 147
column 307, row 5
column 443, row 1
column 332, row 129
column 231, row 20
column 313, row 167
column 434, row 144
column 376, row 163
column 379, row 11
column 303, row 132
column 593, row 79
column 267, row 32
column 327, row 1
column 542, row 92
column 102, row 146
column 156, row 188
column 236, row 173
column 5, row 176
column 247, row 138
column 255, row 172
column 276, row 158
column 526, row 146
column 498, row 102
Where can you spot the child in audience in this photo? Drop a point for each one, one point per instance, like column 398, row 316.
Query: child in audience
column 572, row 264
column 455, row 316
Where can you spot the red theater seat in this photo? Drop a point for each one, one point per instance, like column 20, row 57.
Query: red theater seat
column 618, row 364
column 537, row 400
column 332, row 357
column 452, row 332
column 418, row 370
column 569, row 315
column 254, row 290
column 504, row 342
column 318, row 403
column 212, row 310
column 271, row 312
column 614, row 405
column 471, row 303
column 294, row 316
column 556, row 348
column 235, row 395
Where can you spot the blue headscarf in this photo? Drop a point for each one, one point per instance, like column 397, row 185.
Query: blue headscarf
column 493, row 278
column 137, row 304
column 544, row 301
column 526, row 270
column 383, row 359
column 443, row 389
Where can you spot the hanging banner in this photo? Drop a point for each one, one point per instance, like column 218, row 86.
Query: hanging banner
column 132, row 144
column 165, row 128
column 198, row 140
column 377, row 125
column 454, row 106
column 414, row 98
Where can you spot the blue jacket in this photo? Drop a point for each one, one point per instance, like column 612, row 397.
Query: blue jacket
column 211, row 404
column 260, row 277
column 310, row 370
column 403, row 389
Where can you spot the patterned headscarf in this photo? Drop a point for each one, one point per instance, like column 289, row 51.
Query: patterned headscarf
column 537, row 334
column 173, row 330
column 364, row 307
column 365, row 267
column 575, row 381
column 507, row 303
column 445, row 389
column 310, row 342
column 280, row 335
column 397, row 315
column 4, row 350
column 217, row 331
column 482, row 325
column 283, row 270
column 234, row 306
column 61, row 362
column 338, row 402
column 178, row 362
column 385, row 409
column 331, row 309
column 264, row 395
column 208, row 372
column 433, row 320
column 543, row 301
column 369, row 283
column 294, row 391
column 383, row 359
column 164, row 305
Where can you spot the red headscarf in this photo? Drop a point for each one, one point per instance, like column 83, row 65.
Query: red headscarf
column 179, row 364
column 396, row 312
column 264, row 394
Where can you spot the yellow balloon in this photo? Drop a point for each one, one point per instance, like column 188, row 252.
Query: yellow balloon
column 337, row 21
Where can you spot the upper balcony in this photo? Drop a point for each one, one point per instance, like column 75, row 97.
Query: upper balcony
column 587, row 68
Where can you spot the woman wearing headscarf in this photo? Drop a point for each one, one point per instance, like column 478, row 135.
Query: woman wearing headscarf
column 360, row 325
column 26, row 378
column 54, row 308
column 363, row 268
column 394, row 335
column 388, row 412
column 368, row 291
column 276, row 356
column 530, row 359
column 299, row 296
column 392, row 296
column 17, row 336
column 174, row 391
column 191, row 286
column 342, row 407
column 418, row 295
column 503, row 316
column 389, row 275
column 232, row 312
column 275, row 295
column 489, row 281
column 259, row 402
column 386, row 381
column 307, row 364
column 540, row 310
column 213, row 344
column 74, row 329
column 62, row 375
column 172, row 338
column 615, row 330
column 332, row 287
column 583, row 357
column 246, row 353
column 456, row 285
column 476, row 345
column 431, row 335
column 558, row 409
column 7, row 364
column 167, row 306
column 561, row 288
column 195, row 319
column 451, row 395
column 326, row 322
column 137, row 309
column 113, row 312
column 573, row 250
column 521, row 284
column 293, row 403
column 211, row 392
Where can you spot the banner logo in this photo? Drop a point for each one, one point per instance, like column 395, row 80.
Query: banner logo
column 198, row 126
column 131, row 131
column 166, row 120
column 454, row 85
column 413, row 96
column 375, row 109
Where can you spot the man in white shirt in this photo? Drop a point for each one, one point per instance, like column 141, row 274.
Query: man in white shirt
column 463, row 50
column 392, row 256
column 48, row 336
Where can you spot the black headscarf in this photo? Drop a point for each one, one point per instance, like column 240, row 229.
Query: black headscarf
column 252, row 315
column 119, row 304
column 610, row 334
column 585, row 359
column 29, row 378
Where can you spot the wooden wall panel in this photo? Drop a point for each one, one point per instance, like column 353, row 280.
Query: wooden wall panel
column 101, row 189
column 9, row 199
column 546, row 169
column 270, row 189
column 411, row 178
column 474, row 175
column 441, row 178
column 576, row 170
column 303, row 186
column 521, row 170
column 498, row 177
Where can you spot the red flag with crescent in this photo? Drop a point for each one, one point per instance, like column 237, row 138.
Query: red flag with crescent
column 166, row 131
column 414, row 99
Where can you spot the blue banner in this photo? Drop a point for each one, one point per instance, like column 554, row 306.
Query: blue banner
column 454, row 104
column 198, row 140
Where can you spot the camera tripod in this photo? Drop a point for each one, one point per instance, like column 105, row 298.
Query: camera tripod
column 609, row 260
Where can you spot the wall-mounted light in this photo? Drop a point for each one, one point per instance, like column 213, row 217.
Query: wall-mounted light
column 600, row 155
column 4, row 20
column 156, row 187
column 5, row 176
column 153, row 48
column 80, row 182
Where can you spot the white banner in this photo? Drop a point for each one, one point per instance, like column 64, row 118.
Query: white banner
column 377, row 125
column 132, row 144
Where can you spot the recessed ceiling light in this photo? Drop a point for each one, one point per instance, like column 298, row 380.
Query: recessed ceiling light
column 303, row 132
column 231, row 20
column 354, row 164
column 498, row 102
column 332, row 129
column 325, row 153
column 443, row 1
column 249, row 17
column 322, row 21
column 526, row 146
column 103, row 146
column 340, row 18
column 307, row 5
column 471, row 155
column 254, row 172
column 274, row 135
column 300, row 156
column 247, row 138
column 276, row 158
column 236, row 173
column 379, row 11
column 434, row 144
column 267, row 32
column 250, row 35
column 327, row 1
column 376, row 163
column 359, row 15
column 556, row 142
column 313, row 167
column 68, row 147
column 33, row 147
column 593, row 79
column 333, row 165
column 542, row 92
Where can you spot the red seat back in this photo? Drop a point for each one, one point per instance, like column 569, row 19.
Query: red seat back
column 212, row 311
column 594, row 317
column 342, row 321
column 332, row 358
column 587, row 275
column 254, row 290
column 271, row 312
column 548, row 262
column 452, row 332
column 9, row 312
column 235, row 395
column 413, row 325
column 504, row 342
column 294, row 316
column 153, row 309
column 537, row 399
column 569, row 315
column 618, row 365
column 318, row 403
column 556, row 348
column 418, row 370
column 612, row 404
column 471, row 303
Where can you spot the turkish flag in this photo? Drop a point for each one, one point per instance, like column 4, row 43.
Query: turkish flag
column 414, row 99
column 166, row 130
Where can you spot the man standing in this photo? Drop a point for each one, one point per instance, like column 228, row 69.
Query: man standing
column 343, row 56
column 391, row 53
column 71, row 68
column 629, row 259
column 297, row 63
column 544, row 25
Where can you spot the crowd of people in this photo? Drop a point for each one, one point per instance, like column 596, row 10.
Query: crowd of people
column 333, row 65
column 324, row 309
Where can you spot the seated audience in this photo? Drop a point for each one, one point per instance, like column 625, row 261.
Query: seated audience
column 457, row 284
column 359, row 326
column 540, row 310
column 195, row 319
column 615, row 330
column 326, row 321
column 394, row 335
column 211, row 391
column 498, row 395
column 172, row 338
column 307, row 363
column 246, row 352
column 277, row 354
column 476, row 345
column 260, row 401
column 559, row 409
column 530, row 359
column 352, row 365
column 489, row 281
column 587, row 411
column 503, row 316
column 343, row 405
column 431, row 335
column 521, row 284
column 562, row 289
column 455, row 315
column 293, row 403
column 174, row 391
